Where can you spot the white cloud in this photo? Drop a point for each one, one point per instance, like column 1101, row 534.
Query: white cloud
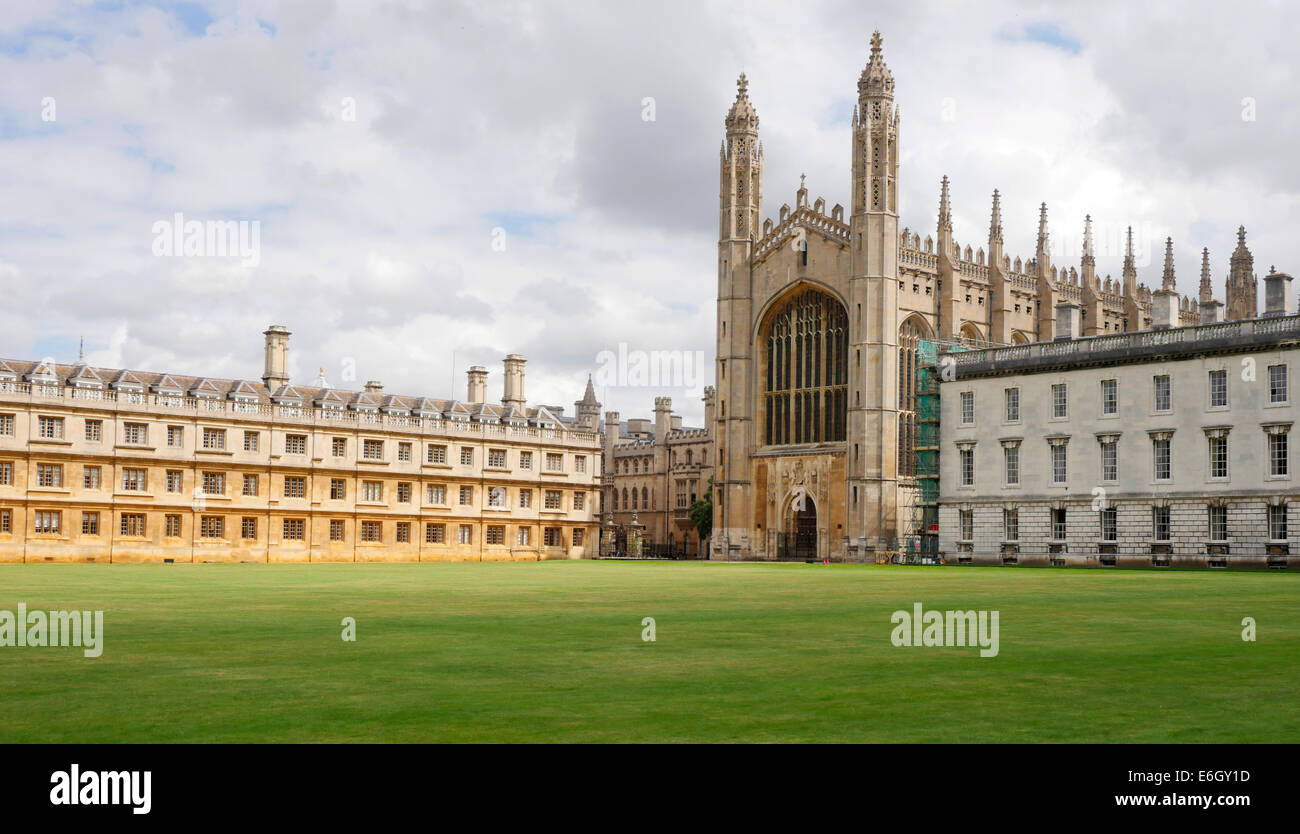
column 377, row 233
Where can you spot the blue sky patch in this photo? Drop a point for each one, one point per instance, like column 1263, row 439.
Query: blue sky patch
column 1044, row 33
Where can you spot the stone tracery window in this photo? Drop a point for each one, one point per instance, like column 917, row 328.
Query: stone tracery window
column 806, row 390
column 909, row 336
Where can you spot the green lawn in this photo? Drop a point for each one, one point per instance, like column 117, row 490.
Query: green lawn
column 745, row 652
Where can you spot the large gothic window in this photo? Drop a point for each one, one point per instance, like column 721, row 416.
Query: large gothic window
column 806, row 389
column 909, row 337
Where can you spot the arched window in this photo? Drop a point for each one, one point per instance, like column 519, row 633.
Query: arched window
column 625, row 506
column 909, row 338
column 806, row 385
column 970, row 334
column 634, row 498
column 645, row 498
column 689, row 455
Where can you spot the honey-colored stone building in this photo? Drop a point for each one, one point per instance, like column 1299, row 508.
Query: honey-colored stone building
column 110, row 465
column 654, row 471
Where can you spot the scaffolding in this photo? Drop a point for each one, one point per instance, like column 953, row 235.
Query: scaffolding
column 920, row 494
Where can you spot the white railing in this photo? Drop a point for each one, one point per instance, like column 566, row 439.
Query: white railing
column 1245, row 330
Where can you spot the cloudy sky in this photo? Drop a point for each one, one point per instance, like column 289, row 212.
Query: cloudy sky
column 437, row 184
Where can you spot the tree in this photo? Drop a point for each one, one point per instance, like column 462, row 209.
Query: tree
column 702, row 514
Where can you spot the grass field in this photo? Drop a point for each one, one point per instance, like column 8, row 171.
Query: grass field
column 744, row 652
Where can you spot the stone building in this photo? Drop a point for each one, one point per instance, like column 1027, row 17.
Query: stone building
column 654, row 471
column 1165, row 447
column 117, row 465
column 820, row 315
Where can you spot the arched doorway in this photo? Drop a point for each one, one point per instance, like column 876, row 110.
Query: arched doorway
column 799, row 541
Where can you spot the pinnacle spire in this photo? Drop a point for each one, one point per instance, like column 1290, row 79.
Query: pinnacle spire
column 742, row 116
column 1167, row 278
column 1042, row 228
column 1242, row 286
column 945, row 210
column 995, row 219
column 1207, row 284
column 876, row 79
column 1087, row 239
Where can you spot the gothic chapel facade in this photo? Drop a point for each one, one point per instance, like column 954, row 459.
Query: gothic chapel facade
column 819, row 315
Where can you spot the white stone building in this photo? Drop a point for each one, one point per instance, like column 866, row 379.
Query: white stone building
column 1166, row 447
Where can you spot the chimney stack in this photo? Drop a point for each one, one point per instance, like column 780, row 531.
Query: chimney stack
column 513, row 392
column 1277, row 294
column 1164, row 309
column 276, row 371
column 1067, row 321
column 476, row 390
column 374, row 386
column 1211, row 312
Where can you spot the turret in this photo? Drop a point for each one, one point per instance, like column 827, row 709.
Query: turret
column 663, row 418
column 588, row 408
column 872, row 518
column 742, row 170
